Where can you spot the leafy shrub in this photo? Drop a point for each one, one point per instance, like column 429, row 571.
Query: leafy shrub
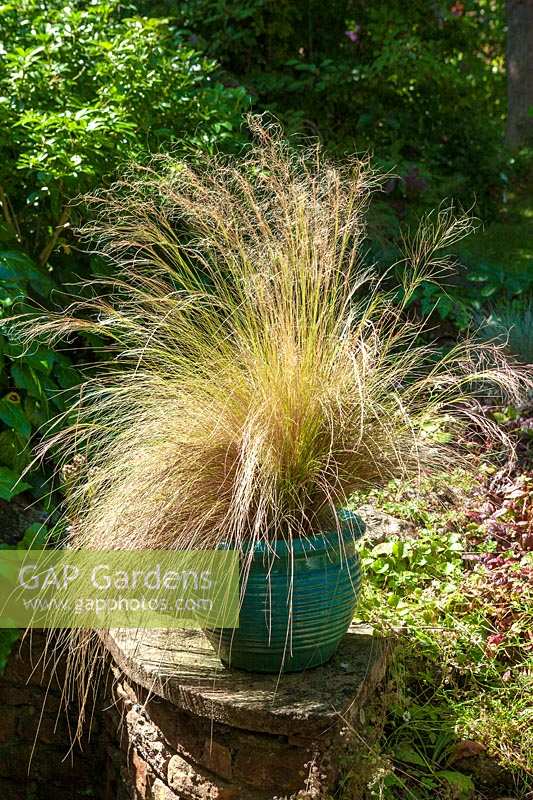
column 83, row 87
column 463, row 299
column 401, row 80
column 34, row 382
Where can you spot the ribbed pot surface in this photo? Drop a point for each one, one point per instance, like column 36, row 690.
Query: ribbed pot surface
column 298, row 603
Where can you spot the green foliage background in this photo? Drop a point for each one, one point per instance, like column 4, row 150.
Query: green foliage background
column 84, row 88
column 420, row 84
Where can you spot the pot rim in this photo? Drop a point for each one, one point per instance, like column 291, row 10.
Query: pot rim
column 352, row 528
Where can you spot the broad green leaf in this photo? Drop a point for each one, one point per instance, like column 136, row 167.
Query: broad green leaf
column 26, row 378
column 408, row 755
column 380, row 566
column 14, row 450
column 462, row 784
column 398, row 549
column 10, row 484
column 35, row 537
column 37, row 411
column 67, row 377
column 13, row 416
column 17, row 266
column 42, row 360
column 383, row 549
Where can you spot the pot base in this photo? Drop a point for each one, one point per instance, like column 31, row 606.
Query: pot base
column 268, row 662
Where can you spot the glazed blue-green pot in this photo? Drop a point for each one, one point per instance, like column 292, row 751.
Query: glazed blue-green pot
column 298, row 602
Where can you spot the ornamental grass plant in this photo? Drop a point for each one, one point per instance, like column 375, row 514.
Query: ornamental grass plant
column 257, row 373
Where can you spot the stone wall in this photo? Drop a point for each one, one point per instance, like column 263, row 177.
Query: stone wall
column 139, row 747
column 194, row 730
column 169, row 755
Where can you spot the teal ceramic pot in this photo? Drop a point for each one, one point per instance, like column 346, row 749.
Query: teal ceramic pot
column 291, row 625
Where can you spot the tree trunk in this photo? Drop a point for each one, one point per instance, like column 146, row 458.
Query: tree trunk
column 519, row 72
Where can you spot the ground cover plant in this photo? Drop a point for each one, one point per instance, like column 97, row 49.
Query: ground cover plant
column 456, row 586
column 494, row 272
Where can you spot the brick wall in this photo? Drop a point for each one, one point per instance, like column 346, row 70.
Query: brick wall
column 36, row 732
column 169, row 754
column 142, row 747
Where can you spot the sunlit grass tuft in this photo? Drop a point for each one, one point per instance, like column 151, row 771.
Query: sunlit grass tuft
column 259, row 374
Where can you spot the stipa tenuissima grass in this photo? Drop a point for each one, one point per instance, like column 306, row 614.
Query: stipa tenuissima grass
column 258, row 373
